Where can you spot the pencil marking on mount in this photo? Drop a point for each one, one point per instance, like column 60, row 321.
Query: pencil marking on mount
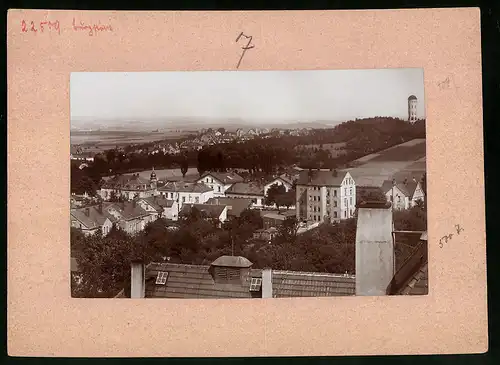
column 448, row 237
column 245, row 47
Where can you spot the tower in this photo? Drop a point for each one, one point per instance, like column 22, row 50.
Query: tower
column 152, row 179
column 412, row 109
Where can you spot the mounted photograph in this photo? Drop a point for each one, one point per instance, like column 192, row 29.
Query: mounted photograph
column 248, row 184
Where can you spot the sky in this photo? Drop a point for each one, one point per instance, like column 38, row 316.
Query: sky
column 250, row 95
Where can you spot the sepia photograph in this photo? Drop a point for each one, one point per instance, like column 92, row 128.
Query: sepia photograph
column 248, row 184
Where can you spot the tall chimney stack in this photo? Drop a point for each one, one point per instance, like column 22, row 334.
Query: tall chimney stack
column 374, row 249
column 137, row 280
column 267, row 283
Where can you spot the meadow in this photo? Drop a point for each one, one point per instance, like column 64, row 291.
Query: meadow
column 102, row 140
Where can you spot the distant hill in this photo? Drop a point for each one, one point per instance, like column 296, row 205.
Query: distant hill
column 165, row 124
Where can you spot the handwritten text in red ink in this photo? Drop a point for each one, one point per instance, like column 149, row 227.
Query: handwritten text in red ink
column 42, row 26
column 92, row 29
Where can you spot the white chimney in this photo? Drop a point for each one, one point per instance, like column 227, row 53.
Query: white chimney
column 267, row 283
column 137, row 282
column 374, row 249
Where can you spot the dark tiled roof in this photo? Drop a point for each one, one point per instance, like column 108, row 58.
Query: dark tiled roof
column 246, row 188
column 407, row 189
column 304, row 284
column 127, row 182
column 185, row 187
column 213, row 211
column 191, row 281
column 278, row 216
column 94, row 219
column 224, row 177
column 195, row 281
column 412, row 97
column 321, row 178
column 128, row 211
column 238, row 205
column 158, row 202
column 289, row 178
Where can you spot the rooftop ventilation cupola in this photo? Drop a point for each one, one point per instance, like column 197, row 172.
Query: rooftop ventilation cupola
column 230, row 269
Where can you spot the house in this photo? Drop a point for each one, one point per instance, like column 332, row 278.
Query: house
column 403, row 195
column 160, row 207
column 210, row 211
column 232, row 277
column 186, row 192
column 129, row 216
column 78, row 200
column 283, row 180
column 265, row 234
column 82, row 156
column 325, row 196
column 275, row 219
column 234, row 206
column 90, row 219
column 247, row 190
column 220, row 182
column 129, row 187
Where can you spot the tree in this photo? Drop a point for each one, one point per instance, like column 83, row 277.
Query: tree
column 274, row 194
column 184, row 167
column 288, row 230
column 104, row 264
column 369, row 194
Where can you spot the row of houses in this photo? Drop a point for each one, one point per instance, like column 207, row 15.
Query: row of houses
column 130, row 216
column 209, row 185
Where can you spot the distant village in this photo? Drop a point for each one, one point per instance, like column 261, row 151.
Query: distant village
column 206, row 137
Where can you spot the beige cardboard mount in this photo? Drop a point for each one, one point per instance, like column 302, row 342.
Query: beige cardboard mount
column 43, row 320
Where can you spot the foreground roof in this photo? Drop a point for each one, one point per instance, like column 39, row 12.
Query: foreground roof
column 195, row 281
column 418, row 284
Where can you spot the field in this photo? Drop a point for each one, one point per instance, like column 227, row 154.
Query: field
column 406, row 160
column 102, row 140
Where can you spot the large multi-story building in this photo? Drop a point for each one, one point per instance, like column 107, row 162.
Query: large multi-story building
column 129, row 187
column 325, row 196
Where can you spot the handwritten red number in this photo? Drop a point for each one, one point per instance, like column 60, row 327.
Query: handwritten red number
column 41, row 25
column 33, row 29
column 23, row 26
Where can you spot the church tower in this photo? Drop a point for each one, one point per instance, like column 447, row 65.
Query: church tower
column 412, row 109
column 152, row 179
